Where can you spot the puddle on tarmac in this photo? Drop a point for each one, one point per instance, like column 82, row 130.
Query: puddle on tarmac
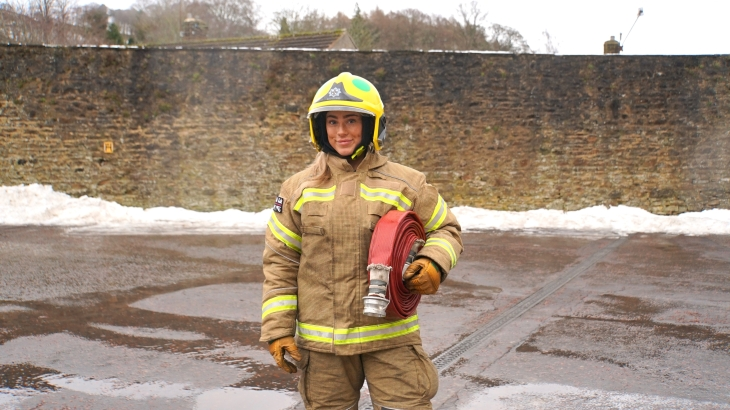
column 25, row 376
column 108, row 318
column 96, row 369
column 231, row 399
column 690, row 263
column 270, row 377
column 558, row 397
column 11, row 308
column 455, row 293
column 528, row 348
column 47, row 264
column 471, row 288
column 717, row 340
column 588, row 336
column 151, row 333
column 627, row 307
column 31, row 380
column 240, row 302
column 507, row 251
column 113, row 387
column 481, row 382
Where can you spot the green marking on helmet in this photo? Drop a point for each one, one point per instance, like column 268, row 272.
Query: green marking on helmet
column 361, row 84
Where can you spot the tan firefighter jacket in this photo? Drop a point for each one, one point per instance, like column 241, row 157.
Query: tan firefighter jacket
column 316, row 254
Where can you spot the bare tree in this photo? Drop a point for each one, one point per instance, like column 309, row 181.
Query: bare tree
column 94, row 20
column 304, row 20
column 17, row 24
column 37, row 21
column 550, row 47
column 472, row 30
column 63, row 15
column 505, row 38
column 412, row 29
column 232, row 18
column 42, row 11
column 159, row 20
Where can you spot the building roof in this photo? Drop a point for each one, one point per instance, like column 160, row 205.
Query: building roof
column 332, row 40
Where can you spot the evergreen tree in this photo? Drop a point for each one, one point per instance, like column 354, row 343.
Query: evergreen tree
column 284, row 27
column 114, row 35
column 361, row 32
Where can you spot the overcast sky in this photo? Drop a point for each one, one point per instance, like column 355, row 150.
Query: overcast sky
column 577, row 27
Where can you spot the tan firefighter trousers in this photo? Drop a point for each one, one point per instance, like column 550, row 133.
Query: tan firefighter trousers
column 401, row 378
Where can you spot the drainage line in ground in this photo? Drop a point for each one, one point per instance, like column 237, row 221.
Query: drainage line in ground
column 447, row 358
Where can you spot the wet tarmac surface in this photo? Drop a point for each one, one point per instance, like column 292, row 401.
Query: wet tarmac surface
column 91, row 321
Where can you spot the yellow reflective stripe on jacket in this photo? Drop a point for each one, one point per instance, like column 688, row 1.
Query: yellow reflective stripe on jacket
column 376, row 332
column 315, row 333
column 438, row 216
column 390, row 197
column 444, row 244
column 278, row 304
column 315, row 194
column 285, row 235
column 355, row 335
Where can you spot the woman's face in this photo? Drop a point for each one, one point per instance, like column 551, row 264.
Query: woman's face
column 344, row 131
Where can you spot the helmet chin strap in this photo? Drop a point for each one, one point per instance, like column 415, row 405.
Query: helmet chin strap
column 360, row 151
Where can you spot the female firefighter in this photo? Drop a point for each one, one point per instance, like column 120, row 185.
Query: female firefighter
column 316, row 255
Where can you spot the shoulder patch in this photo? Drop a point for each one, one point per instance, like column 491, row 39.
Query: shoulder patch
column 278, row 204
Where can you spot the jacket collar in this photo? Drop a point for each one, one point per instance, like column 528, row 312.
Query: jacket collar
column 372, row 160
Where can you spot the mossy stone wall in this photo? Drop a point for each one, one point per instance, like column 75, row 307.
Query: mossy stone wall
column 217, row 129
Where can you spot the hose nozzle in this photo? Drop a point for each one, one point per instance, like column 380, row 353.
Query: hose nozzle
column 375, row 301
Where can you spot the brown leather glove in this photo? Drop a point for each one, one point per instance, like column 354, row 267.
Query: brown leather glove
column 423, row 276
column 277, row 349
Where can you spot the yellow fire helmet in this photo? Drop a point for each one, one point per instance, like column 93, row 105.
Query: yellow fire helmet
column 348, row 92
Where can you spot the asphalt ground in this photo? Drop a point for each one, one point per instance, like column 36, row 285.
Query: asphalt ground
column 90, row 321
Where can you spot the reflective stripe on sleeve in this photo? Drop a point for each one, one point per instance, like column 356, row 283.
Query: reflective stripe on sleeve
column 278, row 304
column 444, row 244
column 388, row 196
column 438, row 216
column 285, row 235
column 315, row 194
column 355, row 335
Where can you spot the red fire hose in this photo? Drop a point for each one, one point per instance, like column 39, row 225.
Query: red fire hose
column 397, row 237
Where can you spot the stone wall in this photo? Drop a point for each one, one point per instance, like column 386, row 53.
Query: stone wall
column 217, row 129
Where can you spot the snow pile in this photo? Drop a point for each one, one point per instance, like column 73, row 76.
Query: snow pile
column 40, row 205
column 620, row 219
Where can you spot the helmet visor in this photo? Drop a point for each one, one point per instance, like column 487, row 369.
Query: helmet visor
column 339, row 108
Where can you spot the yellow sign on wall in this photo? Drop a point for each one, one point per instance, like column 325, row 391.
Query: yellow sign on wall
column 108, row 147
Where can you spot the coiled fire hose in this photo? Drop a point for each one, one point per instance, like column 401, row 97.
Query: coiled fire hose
column 397, row 238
